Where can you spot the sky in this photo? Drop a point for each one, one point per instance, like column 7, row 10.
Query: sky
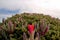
column 12, row 7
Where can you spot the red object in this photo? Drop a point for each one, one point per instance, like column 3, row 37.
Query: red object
column 30, row 28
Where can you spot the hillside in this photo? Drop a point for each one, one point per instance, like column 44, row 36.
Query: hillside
column 19, row 24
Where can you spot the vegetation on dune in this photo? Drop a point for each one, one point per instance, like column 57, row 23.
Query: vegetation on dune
column 15, row 27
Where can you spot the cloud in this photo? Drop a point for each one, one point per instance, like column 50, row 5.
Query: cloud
column 30, row 5
column 4, row 16
column 48, row 7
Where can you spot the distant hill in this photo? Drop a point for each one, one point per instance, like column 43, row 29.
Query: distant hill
column 25, row 18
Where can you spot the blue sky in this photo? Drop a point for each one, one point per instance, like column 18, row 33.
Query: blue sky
column 7, row 11
column 4, row 13
column 47, row 7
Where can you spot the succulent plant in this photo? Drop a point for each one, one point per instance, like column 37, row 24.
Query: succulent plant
column 1, row 28
column 46, row 29
column 42, row 31
column 4, row 34
column 3, row 20
column 24, row 36
column 43, row 28
column 38, row 36
column 10, row 27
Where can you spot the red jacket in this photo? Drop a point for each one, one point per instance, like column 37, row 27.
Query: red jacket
column 30, row 28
